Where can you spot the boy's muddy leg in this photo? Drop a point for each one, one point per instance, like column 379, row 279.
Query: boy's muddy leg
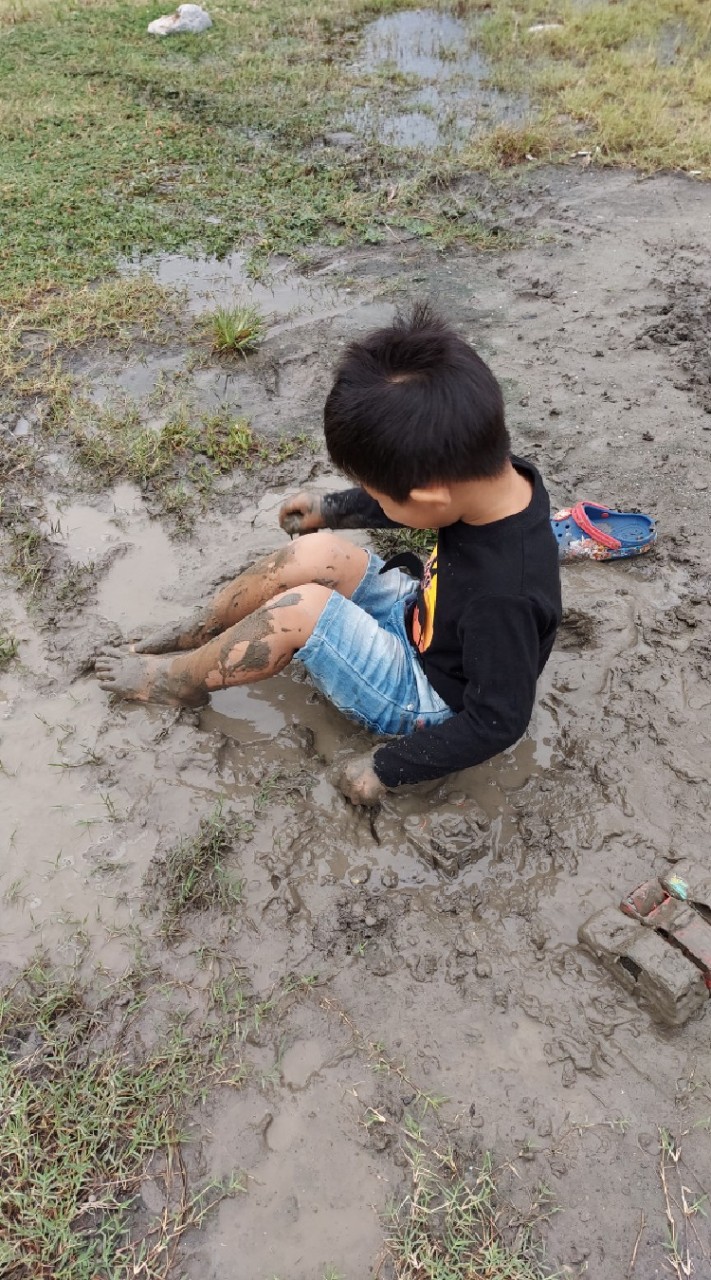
column 259, row 646
column 321, row 558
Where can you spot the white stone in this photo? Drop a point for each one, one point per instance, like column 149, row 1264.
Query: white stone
column 188, row 19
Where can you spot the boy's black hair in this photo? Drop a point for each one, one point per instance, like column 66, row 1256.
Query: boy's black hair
column 414, row 405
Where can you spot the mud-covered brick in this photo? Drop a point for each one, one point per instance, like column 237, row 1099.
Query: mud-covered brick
column 608, row 935
column 643, row 899
column 667, row 981
column 646, row 964
column 693, row 934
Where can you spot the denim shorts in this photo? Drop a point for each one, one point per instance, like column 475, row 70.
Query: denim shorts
column 360, row 656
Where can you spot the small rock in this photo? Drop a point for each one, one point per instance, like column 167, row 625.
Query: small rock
column 544, row 1127
column 379, row 961
column 483, row 968
column 359, row 875
column 538, row 937
column 569, row 1075
column 389, row 878
column 152, row 1196
column 22, row 428
column 467, row 943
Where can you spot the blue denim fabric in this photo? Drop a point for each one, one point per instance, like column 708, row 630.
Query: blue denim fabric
column 360, row 656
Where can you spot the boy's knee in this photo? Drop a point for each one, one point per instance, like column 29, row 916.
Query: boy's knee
column 318, row 550
column 297, row 610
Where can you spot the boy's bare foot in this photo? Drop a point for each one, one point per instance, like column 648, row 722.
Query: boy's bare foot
column 146, row 680
column 167, row 640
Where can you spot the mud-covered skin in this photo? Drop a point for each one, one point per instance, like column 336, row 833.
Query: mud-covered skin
column 139, row 679
column 360, row 783
column 259, row 646
column 325, row 560
column 303, row 513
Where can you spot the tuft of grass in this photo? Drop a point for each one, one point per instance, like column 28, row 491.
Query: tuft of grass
column 28, row 554
column 393, row 542
column 451, row 1224
column 237, row 330
column 83, row 1125
column 8, row 649
column 194, row 875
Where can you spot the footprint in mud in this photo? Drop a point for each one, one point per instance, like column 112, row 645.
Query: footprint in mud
column 577, row 630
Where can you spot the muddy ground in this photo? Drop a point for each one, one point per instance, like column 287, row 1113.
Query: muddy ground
column 443, row 937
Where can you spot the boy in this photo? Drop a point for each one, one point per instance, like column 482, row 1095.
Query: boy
column 447, row 664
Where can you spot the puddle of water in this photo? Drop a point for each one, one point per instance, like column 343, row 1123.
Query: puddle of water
column 231, row 709
column 670, row 42
column 454, row 98
column 86, row 532
column 209, row 283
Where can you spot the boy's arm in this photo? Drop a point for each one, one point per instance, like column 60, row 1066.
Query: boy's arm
column 500, row 659
column 348, row 509
column 354, row 509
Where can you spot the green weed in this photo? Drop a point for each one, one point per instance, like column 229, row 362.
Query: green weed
column 28, row 552
column 236, row 330
column 8, row 649
column 177, row 462
column 451, row 1224
column 194, row 875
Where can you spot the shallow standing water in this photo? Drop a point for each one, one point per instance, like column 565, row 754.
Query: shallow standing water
column 450, row 97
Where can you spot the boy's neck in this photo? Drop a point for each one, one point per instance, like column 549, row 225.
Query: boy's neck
column 485, row 501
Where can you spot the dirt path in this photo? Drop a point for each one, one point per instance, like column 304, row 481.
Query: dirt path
column 448, row 933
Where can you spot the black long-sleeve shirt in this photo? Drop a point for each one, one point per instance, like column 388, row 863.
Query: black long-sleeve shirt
column 484, row 624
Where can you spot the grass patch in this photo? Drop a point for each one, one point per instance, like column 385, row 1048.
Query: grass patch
column 393, row 542
column 8, row 649
column 630, row 83
column 452, row 1225
column 236, row 330
column 194, row 875
column 176, row 464
column 111, row 141
column 83, row 1126
column 44, row 322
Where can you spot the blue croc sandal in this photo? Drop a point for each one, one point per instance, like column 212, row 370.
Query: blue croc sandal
column 588, row 531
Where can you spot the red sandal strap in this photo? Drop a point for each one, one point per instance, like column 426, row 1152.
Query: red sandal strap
column 584, row 522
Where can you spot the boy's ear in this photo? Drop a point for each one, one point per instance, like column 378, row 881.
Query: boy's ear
column 434, row 494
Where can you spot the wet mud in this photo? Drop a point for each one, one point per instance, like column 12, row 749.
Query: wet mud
column 445, row 929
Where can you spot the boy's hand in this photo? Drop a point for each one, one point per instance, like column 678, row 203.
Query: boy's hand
column 360, row 783
column 302, row 514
